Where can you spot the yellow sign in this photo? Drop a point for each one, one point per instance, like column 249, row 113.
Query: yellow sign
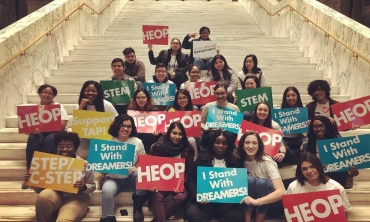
column 92, row 124
column 55, row 172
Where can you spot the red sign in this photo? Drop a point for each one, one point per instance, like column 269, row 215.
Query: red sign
column 162, row 173
column 271, row 138
column 148, row 122
column 201, row 92
column 47, row 118
column 314, row 206
column 355, row 111
column 189, row 119
column 155, row 34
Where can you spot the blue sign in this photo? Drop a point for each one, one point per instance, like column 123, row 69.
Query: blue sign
column 340, row 154
column 291, row 120
column 162, row 93
column 221, row 185
column 224, row 118
column 110, row 156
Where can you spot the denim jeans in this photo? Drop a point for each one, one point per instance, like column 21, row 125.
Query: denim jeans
column 112, row 187
column 203, row 65
column 43, row 142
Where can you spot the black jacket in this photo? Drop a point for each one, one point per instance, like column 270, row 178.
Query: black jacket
column 165, row 57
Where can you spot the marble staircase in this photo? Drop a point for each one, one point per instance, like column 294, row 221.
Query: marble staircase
column 237, row 35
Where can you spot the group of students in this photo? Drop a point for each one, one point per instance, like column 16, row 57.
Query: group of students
column 215, row 149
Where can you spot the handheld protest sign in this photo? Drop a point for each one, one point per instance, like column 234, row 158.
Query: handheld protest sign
column 162, row 94
column 340, row 154
column 355, row 112
column 163, row 173
column 55, row 172
column 47, row 118
column 204, row 49
column 221, row 185
column 320, row 206
column 291, row 120
column 118, row 91
column 201, row 92
column 191, row 120
column 110, row 157
column 155, row 34
column 271, row 138
column 148, row 122
column 225, row 118
column 92, row 124
column 248, row 98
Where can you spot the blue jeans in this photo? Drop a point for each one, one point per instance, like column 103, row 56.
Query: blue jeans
column 43, row 142
column 112, row 187
column 258, row 188
column 203, row 65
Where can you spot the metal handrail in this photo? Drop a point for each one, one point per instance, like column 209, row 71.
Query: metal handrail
column 355, row 53
column 47, row 33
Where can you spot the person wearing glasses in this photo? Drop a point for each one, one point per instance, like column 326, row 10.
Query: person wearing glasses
column 123, row 130
column 175, row 61
column 250, row 67
column 44, row 141
column 134, row 67
column 194, row 75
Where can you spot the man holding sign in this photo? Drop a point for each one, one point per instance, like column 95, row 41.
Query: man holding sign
column 64, row 173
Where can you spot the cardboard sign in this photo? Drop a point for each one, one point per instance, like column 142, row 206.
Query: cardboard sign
column 110, row 156
column 271, row 138
column 321, row 206
column 163, row 173
column 92, row 124
column 204, row 49
column 291, row 120
column 201, row 92
column 248, row 98
column 118, row 91
column 355, row 112
column 225, row 118
column 148, row 122
column 155, row 34
column 340, row 154
column 191, row 121
column 221, row 185
column 55, row 172
column 162, row 94
column 47, row 118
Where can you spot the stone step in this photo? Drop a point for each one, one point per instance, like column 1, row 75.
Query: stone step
column 13, row 151
column 254, row 32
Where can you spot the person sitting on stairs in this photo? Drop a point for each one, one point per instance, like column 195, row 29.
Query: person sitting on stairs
column 134, row 67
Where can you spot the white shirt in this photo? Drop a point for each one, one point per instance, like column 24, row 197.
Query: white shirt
column 265, row 169
column 323, row 109
column 168, row 82
column 295, row 188
column 172, row 65
column 108, row 107
column 219, row 163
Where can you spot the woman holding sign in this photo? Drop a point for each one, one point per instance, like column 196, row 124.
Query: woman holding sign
column 219, row 154
column 174, row 144
column 265, row 186
column 250, row 67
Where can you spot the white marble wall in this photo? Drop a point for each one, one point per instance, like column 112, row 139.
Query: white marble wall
column 23, row 74
column 350, row 74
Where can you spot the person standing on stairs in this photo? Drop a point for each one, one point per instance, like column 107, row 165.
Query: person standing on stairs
column 134, row 67
column 250, row 67
column 44, row 141
column 174, row 59
column 118, row 69
column 123, row 129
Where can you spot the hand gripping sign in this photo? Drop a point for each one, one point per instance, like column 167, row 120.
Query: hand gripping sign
column 155, row 34
column 47, row 118
column 55, row 172
column 321, row 206
column 189, row 119
column 163, row 173
column 271, row 138
column 148, row 122
column 355, row 111
column 201, row 92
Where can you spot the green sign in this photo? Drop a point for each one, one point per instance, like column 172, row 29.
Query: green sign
column 248, row 98
column 118, row 91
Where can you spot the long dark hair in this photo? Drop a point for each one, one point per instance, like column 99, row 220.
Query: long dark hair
column 261, row 147
column 255, row 68
column 149, row 102
column 189, row 106
column 251, row 76
column 226, row 70
column 284, row 103
column 166, row 143
column 99, row 101
column 268, row 121
column 315, row 161
column 116, row 125
column 330, row 132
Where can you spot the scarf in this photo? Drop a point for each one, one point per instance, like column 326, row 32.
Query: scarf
column 176, row 149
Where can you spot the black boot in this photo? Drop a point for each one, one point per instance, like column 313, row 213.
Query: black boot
column 138, row 207
column 109, row 219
